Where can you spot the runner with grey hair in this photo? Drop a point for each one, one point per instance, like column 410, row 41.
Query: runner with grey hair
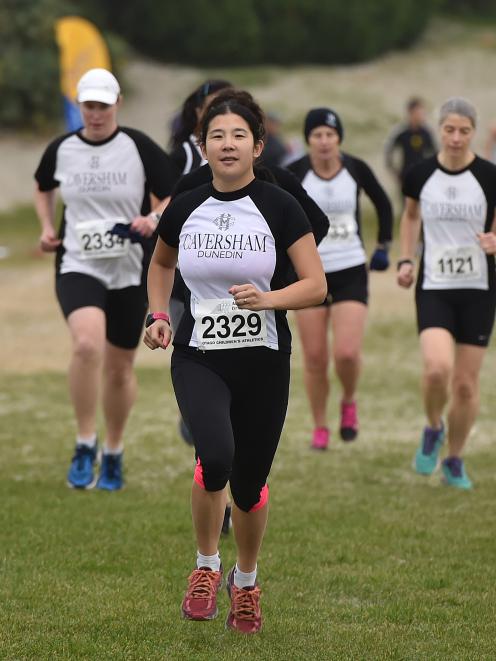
column 452, row 198
column 457, row 105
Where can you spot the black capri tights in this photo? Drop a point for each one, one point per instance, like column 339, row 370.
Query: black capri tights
column 234, row 403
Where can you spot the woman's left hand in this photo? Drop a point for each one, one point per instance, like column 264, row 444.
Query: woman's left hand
column 487, row 242
column 144, row 225
column 248, row 297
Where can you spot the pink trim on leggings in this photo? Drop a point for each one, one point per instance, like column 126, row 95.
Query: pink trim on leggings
column 198, row 476
column 264, row 498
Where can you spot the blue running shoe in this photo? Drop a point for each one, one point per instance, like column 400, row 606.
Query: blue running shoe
column 454, row 474
column 426, row 457
column 110, row 478
column 80, row 475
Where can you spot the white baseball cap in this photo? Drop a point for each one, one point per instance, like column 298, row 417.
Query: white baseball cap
column 98, row 85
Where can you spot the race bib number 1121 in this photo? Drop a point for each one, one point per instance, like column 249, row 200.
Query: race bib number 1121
column 456, row 264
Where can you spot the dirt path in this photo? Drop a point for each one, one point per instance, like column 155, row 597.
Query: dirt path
column 34, row 337
column 450, row 60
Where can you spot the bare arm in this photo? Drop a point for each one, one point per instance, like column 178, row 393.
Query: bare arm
column 44, row 202
column 160, row 281
column 311, row 288
column 146, row 225
column 487, row 240
column 409, row 235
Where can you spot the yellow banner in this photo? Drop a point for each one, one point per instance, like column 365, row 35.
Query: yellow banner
column 81, row 48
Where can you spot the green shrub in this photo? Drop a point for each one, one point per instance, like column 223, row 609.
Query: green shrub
column 198, row 32
column 29, row 72
column 265, row 31
column 29, row 62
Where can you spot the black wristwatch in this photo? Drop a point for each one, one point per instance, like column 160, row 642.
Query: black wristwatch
column 153, row 316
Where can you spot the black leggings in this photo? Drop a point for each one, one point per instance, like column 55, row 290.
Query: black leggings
column 234, row 403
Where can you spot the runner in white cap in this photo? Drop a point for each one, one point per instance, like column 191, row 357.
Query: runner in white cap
column 106, row 175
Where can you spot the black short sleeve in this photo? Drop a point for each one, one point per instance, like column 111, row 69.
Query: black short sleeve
column 178, row 211
column 160, row 172
column 45, row 171
column 193, row 179
column 296, row 223
column 417, row 176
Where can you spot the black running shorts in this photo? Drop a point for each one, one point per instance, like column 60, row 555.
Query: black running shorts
column 347, row 285
column 124, row 309
column 468, row 314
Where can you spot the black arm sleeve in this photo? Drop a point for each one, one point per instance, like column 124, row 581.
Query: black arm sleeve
column 368, row 181
column 193, row 179
column 318, row 219
column 178, row 158
column 160, row 172
column 296, row 223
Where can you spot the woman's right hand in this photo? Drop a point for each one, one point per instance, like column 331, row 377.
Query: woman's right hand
column 49, row 241
column 158, row 335
column 405, row 276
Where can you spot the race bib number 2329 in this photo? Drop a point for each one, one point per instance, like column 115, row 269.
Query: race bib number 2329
column 220, row 324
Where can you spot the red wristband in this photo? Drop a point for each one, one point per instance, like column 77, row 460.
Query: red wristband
column 153, row 316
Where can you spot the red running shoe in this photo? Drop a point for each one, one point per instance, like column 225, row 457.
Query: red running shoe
column 200, row 600
column 349, row 421
column 245, row 614
column 320, row 438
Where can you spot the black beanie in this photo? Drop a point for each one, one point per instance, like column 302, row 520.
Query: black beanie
column 323, row 117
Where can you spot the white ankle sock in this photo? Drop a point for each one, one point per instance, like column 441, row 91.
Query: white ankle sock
column 210, row 561
column 89, row 441
column 244, row 579
column 115, row 451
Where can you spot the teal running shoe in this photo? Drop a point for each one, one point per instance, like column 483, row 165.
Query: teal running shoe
column 427, row 455
column 111, row 478
column 454, row 474
column 80, row 474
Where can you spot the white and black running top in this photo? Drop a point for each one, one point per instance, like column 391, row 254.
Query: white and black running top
column 226, row 239
column 343, row 248
column 101, row 184
column 454, row 207
column 187, row 156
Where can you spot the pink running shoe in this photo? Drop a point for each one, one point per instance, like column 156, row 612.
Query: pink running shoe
column 200, row 600
column 245, row 614
column 349, row 421
column 320, row 439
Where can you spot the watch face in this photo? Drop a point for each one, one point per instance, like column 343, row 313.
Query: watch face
column 149, row 320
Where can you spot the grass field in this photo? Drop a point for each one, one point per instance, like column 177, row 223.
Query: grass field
column 362, row 559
